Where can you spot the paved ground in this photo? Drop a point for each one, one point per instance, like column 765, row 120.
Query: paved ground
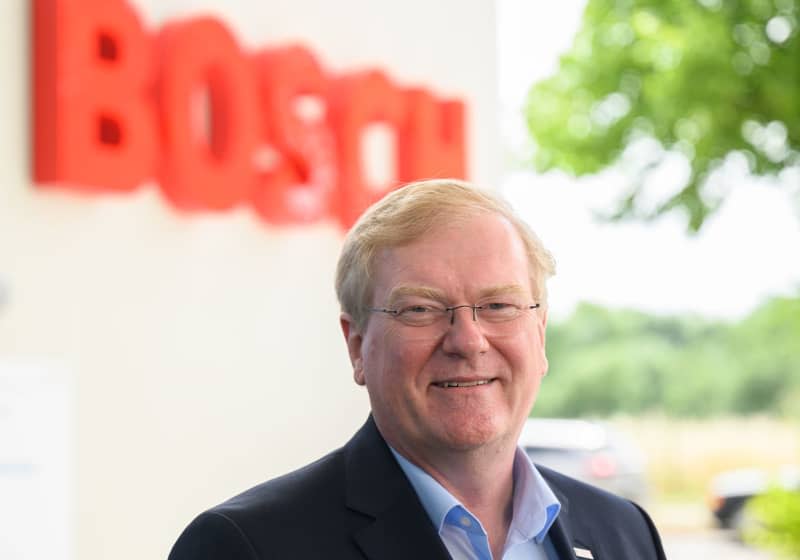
column 708, row 545
column 688, row 533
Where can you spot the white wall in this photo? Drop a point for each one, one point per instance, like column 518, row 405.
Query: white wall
column 204, row 351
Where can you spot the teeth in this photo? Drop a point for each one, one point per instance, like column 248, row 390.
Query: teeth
column 447, row 384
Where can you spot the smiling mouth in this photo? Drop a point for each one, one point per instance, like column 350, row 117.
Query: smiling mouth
column 453, row 384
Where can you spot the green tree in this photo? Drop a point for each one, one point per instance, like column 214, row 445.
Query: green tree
column 606, row 361
column 766, row 347
column 709, row 79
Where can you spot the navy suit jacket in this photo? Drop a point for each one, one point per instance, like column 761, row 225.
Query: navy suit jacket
column 356, row 503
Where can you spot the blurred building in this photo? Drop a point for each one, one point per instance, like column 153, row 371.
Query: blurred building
column 156, row 360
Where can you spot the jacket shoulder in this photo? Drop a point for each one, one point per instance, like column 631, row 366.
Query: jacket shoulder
column 316, row 483
column 619, row 526
column 272, row 518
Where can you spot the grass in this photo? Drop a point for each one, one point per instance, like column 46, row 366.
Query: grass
column 684, row 455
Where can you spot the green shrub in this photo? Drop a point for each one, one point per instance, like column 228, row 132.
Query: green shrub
column 777, row 522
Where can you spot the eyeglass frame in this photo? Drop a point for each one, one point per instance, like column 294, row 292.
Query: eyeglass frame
column 451, row 309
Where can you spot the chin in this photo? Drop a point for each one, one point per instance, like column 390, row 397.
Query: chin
column 472, row 434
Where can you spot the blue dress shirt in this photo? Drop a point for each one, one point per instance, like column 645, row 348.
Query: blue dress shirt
column 535, row 510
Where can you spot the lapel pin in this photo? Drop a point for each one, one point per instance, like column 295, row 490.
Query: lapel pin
column 583, row 552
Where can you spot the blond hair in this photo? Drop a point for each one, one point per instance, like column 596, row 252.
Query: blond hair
column 407, row 214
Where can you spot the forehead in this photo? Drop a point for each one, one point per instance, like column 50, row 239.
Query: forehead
column 464, row 258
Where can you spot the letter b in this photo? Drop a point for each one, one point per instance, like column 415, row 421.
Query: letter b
column 94, row 128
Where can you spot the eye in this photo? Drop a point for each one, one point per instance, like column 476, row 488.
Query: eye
column 499, row 311
column 419, row 314
column 497, row 305
column 415, row 309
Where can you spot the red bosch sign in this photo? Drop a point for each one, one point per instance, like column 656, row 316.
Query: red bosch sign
column 116, row 105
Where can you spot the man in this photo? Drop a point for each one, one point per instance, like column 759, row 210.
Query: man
column 442, row 290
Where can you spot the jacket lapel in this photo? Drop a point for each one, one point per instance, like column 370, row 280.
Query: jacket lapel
column 376, row 487
column 561, row 531
column 570, row 537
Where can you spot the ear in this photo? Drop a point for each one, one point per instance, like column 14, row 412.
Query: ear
column 541, row 328
column 353, row 339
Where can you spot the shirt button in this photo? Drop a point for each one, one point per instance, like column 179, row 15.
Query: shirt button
column 465, row 521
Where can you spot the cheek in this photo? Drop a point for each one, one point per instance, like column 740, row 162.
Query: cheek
column 391, row 360
column 525, row 352
column 380, row 357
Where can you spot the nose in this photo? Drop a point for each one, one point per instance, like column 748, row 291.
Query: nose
column 452, row 311
column 464, row 336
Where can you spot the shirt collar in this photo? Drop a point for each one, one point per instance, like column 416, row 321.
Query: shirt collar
column 435, row 499
column 535, row 505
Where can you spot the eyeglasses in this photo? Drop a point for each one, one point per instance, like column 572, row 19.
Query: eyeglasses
column 495, row 318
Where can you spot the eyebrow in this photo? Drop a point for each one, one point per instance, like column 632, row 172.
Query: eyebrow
column 503, row 290
column 427, row 292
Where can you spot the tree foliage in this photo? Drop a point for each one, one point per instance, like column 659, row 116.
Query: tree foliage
column 609, row 361
column 708, row 79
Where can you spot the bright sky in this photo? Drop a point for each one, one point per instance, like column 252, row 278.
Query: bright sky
column 747, row 252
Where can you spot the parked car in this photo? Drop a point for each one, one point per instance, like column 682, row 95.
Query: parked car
column 590, row 451
column 730, row 491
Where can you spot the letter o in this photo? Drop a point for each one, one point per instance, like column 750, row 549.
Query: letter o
column 215, row 170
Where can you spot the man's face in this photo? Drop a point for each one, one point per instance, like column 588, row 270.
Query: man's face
column 407, row 369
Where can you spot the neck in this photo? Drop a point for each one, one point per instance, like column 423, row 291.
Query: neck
column 482, row 480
